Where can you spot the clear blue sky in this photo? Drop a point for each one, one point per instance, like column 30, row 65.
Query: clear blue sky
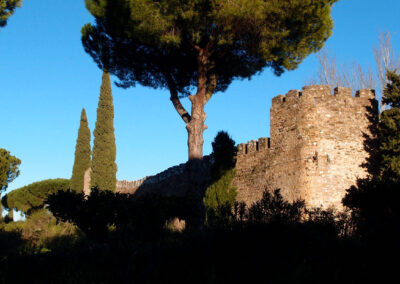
column 46, row 78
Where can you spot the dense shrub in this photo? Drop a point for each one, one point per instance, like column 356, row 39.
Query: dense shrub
column 375, row 208
column 272, row 241
column 272, row 208
column 104, row 215
column 39, row 232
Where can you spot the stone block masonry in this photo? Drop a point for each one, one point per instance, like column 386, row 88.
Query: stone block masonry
column 316, row 147
column 315, row 151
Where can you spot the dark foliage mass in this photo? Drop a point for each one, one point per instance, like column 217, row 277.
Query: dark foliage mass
column 375, row 208
column 273, row 241
column 202, row 44
column 224, row 154
column 374, row 200
column 153, row 42
column 105, row 216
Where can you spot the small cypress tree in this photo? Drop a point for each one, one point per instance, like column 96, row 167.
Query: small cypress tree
column 82, row 155
column 104, row 168
column 220, row 196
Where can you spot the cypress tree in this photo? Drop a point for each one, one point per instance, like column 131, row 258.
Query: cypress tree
column 220, row 196
column 104, row 168
column 82, row 155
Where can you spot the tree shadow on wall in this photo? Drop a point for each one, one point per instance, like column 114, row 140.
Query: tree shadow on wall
column 192, row 179
column 190, row 182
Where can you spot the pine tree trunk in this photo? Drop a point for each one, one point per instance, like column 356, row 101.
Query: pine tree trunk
column 195, row 121
column 196, row 125
column 195, row 129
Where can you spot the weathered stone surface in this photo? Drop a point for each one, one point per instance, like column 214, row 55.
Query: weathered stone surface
column 316, row 147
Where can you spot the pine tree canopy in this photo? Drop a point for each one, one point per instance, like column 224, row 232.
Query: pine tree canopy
column 143, row 41
column 7, row 8
column 9, row 168
column 33, row 197
column 202, row 44
column 82, row 154
column 389, row 129
column 104, row 168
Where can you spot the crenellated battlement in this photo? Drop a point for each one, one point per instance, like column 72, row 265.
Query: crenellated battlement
column 252, row 146
column 309, row 94
column 297, row 109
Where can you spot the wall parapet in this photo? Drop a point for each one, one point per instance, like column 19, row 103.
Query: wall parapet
column 254, row 146
column 321, row 92
column 174, row 171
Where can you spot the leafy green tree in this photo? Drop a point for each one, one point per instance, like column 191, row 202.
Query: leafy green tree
column 7, row 8
column 202, row 45
column 104, row 168
column 389, row 130
column 32, row 197
column 82, row 155
column 9, row 168
column 220, row 195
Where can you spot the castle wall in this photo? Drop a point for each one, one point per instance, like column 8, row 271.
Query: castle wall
column 316, row 147
column 315, row 151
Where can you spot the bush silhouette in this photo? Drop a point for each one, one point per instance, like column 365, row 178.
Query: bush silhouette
column 104, row 215
column 272, row 208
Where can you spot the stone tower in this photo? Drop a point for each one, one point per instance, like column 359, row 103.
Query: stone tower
column 316, row 147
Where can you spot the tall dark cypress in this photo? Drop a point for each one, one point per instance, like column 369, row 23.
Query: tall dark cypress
column 82, row 154
column 104, row 168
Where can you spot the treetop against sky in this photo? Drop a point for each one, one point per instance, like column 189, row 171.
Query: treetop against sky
column 47, row 78
column 202, row 45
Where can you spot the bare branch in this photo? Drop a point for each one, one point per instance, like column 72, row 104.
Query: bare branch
column 352, row 76
column 386, row 59
column 179, row 107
